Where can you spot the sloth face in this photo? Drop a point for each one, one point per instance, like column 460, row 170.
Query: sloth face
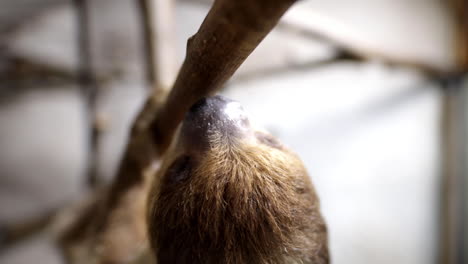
column 230, row 193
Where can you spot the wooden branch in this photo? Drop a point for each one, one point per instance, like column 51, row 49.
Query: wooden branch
column 89, row 88
column 157, row 20
column 292, row 67
column 459, row 10
column 454, row 105
column 327, row 30
column 343, row 42
column 229, row 33
column 454, row 210
column 160, row 69
column 146, row 22
column 12, row 233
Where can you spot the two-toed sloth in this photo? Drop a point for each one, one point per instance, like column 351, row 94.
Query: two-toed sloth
column 227, row 192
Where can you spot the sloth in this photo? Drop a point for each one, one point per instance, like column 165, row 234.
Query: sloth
column 228, row 192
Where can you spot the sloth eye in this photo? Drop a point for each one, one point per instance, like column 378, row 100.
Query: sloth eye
column 268, row 140
column 179, row 169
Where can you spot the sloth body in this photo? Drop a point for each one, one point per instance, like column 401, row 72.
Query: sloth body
column 229, row 193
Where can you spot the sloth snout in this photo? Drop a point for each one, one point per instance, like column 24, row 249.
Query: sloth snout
column 215, row 116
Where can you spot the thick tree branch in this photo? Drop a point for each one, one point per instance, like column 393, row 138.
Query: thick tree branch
column 229, row 33
column 329, row 31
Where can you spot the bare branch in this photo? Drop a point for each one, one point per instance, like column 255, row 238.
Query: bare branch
column 289, row 67
column 460, row 12
column 454, row 211
column 343, row 42
column 329, row 31
column 89, row 88
column 229, row 33
column 453, row 171
column 16, row 232
column 157, row 20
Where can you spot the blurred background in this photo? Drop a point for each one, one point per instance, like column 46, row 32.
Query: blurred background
column 370, row 93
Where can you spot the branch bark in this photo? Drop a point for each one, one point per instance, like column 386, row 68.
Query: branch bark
column 329, row 31
column 229, row 33
column 227, row 36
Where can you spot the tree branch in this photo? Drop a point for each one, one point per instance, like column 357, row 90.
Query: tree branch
column 454, row 209
column 229, row 33
column 359, row 51
column 453, row 125
column 292, row 67
column 89, row 88
column 327, row 30
column 157, row 20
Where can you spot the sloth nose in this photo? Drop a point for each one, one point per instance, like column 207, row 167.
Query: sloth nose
column 214, row 117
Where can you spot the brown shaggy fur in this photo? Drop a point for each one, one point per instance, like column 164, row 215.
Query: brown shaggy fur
column 242, row 200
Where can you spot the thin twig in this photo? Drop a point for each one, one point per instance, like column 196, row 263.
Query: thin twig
column 12, row 233
column 287, row 68
column 459, row 10
column 124, row 198
column 89, row 88
column 157, row 20
column 359, row 51
column 453, row 171
column 146, row 21
column 454, row 210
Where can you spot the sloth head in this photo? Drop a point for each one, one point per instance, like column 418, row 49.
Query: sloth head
column 229, row 193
